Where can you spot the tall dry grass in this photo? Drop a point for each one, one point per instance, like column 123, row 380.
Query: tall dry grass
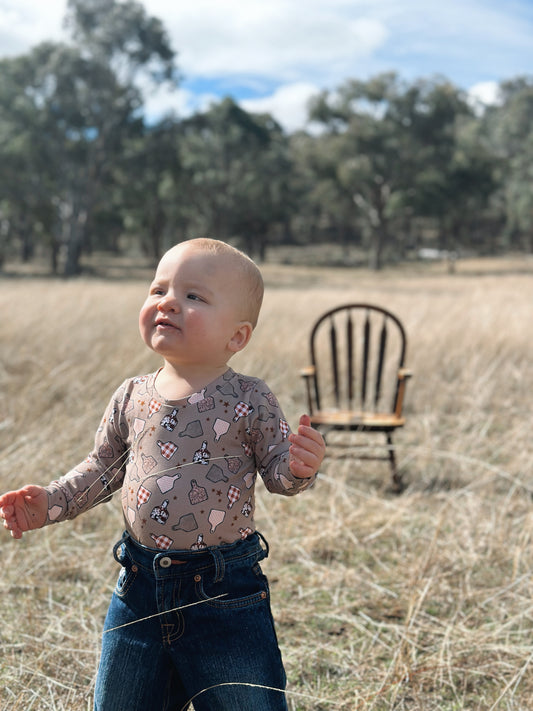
column 420, row 601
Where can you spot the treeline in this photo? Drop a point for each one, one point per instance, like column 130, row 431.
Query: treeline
column 390, row 166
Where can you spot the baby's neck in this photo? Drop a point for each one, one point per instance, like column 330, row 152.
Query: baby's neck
column 176, row 383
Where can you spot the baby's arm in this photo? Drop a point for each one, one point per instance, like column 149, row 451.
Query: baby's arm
column 307, row 449
column 24, row 509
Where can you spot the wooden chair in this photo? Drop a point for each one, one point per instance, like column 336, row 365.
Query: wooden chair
column 357, row 378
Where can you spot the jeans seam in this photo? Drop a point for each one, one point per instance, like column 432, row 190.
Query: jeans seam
column 168, row 638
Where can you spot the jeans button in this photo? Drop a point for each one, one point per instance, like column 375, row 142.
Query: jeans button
column 165, row 562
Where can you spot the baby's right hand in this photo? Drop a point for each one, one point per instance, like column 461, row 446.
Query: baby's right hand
column 24, row 510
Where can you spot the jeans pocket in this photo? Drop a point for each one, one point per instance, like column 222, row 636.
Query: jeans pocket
column 127, row 576
column 241, row 586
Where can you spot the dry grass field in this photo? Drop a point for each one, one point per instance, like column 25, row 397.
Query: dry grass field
column 421, row 601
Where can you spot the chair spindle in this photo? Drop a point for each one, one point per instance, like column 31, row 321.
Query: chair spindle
column 366, row 355
column 350, row 357
column 334, row 360
column 381, row 360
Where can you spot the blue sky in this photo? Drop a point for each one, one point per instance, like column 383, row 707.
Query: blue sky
column 272, row 55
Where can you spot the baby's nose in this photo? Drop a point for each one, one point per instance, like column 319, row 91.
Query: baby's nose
column 167, row 303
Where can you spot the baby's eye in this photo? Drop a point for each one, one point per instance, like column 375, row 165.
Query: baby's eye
column 193, row 297
column 157, row 289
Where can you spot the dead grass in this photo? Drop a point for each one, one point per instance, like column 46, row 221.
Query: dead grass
column 418, row 602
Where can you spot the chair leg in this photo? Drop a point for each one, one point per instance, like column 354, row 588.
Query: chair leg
column 397, row 482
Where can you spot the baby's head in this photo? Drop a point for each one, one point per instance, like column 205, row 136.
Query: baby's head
column 203, row 303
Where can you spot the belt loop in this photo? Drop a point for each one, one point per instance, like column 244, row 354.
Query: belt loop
column 267, row 547
column 220, row 565
column 125, row 537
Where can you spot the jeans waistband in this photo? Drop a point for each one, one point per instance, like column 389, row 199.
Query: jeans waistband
column 175, row 561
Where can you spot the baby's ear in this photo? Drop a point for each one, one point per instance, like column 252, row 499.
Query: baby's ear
column 241, row 336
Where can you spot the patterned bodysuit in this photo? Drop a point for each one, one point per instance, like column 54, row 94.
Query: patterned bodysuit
column 187, row 468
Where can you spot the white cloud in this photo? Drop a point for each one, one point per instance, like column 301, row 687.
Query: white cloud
column 25, row 23
column 164, row 100
column 319, row 40
column 483, row 94
column 486, row 92
column 288, row 104
column 278, row 39
column 180, row 102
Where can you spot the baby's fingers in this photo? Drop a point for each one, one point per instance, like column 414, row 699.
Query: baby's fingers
column 10, row 523
column 307, row 439
column 7, row 512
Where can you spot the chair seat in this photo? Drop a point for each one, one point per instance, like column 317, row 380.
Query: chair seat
column 364, row 421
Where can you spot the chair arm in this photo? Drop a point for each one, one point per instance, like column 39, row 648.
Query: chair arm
column 308, row 371
column 404, row 373
column 403, row 376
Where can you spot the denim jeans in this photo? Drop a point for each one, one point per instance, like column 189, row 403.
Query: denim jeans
column 190, row 626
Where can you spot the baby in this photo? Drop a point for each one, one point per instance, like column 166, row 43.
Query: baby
column 189, row 619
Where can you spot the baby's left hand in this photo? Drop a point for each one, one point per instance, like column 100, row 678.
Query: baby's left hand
column 307, row 449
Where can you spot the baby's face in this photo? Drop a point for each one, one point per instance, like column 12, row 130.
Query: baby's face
column 192, row 310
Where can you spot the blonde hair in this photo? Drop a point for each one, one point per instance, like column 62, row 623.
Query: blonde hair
column 249, row 273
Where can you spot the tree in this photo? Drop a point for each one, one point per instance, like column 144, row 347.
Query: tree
column 235, row 175
column 123, row 37
column 73, row 109
column 364, row 142
column 509, row 130
column 150, row 186
column 323, row 206
column 453, row 175
column 117, row 42
column 30, row 169
column 392, row 149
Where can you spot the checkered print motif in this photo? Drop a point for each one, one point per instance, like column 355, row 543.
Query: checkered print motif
column 142, row 496
column 241, row 410
column 153, row 407
column 247, row 449
column 284, row 428
column 167, row 448
column 234, row 494
column 162, row 542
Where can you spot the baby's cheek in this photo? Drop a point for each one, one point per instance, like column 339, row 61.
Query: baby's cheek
column 144, row 322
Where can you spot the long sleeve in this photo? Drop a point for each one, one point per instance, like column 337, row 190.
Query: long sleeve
column 270, row 430
column 97, row 477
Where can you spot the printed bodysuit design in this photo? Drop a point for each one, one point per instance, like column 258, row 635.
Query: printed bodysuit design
column 187, row 468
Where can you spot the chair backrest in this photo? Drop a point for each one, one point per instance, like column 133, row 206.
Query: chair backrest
column 357, row 351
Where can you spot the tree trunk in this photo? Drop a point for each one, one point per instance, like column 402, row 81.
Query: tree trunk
column 375, row 256
column 156, row 228
column 27, row 247
column 75, row 243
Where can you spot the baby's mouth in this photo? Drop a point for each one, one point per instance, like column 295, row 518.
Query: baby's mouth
column 164, row 324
